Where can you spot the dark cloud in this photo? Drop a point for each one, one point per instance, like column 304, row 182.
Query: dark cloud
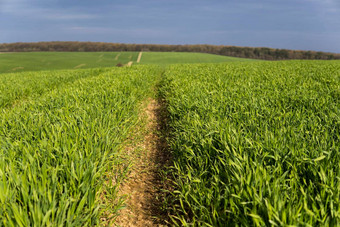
column 297, row 24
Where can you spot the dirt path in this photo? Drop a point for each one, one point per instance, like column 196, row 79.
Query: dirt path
column 143, row 185
column 139, row 56
column 17, row 68
column 129, row 64
column 117, row 56
column 79, row 66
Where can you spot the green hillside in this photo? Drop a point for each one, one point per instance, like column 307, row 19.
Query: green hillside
column 180, row 57
column 36, row 61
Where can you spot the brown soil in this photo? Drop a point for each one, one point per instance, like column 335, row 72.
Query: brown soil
column 144, row 184
column 79, row 66
column 117, row 56
column 17, row 68
column 139, row 56
column 129, row 64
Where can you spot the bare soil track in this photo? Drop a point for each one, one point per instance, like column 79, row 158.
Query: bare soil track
column 117, row 56
column 79, row 66
column 129, row 64
column 144, row 184
column 139, row 56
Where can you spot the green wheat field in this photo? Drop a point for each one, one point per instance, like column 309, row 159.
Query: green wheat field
column 253, row 143
column 37, row 61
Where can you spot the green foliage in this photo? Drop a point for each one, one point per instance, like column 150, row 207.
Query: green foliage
column 56, row 148
column 255, row 143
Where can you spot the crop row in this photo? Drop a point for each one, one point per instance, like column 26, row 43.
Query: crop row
column 255, row 143
column 56, row 148
column 17, row 86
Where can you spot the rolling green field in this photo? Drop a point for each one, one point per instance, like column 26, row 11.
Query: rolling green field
column 253, row 143
column 37, row 61
column 165, row 58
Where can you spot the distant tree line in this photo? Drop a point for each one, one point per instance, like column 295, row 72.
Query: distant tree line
column 234, row 51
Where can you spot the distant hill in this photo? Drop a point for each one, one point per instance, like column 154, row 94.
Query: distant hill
column 234, row 51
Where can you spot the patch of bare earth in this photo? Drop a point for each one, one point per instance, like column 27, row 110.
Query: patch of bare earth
column 79, row 66
column 117, row 56
column 143, row 186
column 17, row 68
column 139, row 56
column 129, row 64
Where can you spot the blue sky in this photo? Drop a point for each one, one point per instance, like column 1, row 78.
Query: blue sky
column 291, row 24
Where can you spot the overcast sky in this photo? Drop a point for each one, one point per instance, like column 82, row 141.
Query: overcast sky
column 291, row 24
